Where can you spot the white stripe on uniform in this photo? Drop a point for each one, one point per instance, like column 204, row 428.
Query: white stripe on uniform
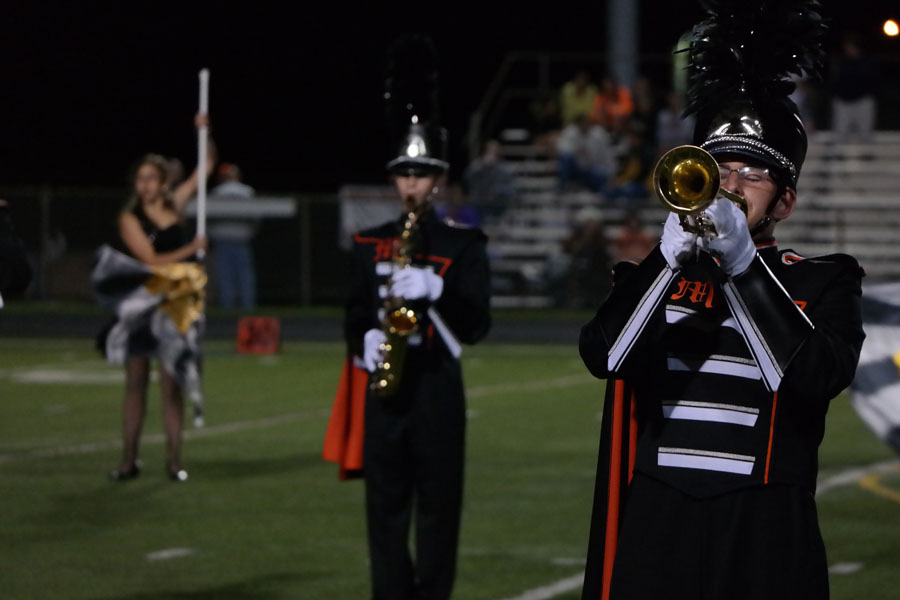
column 687, row 458
column 721, row 365
column 675, row 313
column 639, row 318
column 710, row 411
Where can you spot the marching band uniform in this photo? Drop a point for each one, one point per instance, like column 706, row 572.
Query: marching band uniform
column 718, row 384
column 706, row 425
column 414, row 438
column 414, row 441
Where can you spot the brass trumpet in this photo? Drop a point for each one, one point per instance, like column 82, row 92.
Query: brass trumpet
column 686, row 181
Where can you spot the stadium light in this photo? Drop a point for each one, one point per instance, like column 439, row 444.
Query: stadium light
column 891, row 29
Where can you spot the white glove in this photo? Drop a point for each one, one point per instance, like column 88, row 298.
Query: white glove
column 677, row 245
column 413, row 283
column 372, row 349
column 733, row 245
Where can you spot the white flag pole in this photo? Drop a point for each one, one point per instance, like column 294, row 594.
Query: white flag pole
column 196, row 395
column 202, row 140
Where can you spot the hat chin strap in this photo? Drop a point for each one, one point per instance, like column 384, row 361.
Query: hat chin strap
column 759, row 227
column 767, row 218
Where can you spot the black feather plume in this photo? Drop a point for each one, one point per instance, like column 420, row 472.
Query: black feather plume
column 411, row 85
column 752, row 48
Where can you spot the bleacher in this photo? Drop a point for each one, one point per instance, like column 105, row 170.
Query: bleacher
column 848, row 201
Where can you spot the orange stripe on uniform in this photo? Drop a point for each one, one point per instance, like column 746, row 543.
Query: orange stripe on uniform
column 771, row 437
column 615, row 475
column 365, row 240
column 632, row 439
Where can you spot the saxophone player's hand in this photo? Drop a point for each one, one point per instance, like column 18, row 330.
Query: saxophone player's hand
column 373, row 351
column 414, row 283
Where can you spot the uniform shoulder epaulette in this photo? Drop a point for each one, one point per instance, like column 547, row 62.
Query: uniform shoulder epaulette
column 464, row 232
column 623, row 268
column 838, row 259
column 384, row 230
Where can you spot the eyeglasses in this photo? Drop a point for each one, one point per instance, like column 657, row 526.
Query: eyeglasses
column 749, row 176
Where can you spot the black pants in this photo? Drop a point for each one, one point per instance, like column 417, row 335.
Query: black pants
column 761, row 543
column 413, row 461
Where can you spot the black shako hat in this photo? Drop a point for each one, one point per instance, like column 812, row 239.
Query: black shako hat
column 419, row 143
column 741, row 58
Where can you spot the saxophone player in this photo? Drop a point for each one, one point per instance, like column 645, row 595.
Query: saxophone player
column 413, row 446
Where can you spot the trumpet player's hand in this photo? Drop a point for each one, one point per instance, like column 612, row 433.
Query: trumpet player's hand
column 733, row 245
column 415, row 283
column 677, row 245
column 372, row 349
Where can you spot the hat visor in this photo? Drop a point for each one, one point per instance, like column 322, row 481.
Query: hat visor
column 750, row 154
column 422, row 166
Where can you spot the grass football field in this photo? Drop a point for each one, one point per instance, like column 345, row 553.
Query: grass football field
column 263, row 517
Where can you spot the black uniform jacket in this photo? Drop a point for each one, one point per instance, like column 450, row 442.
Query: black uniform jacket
column 457, row 254
column 717, row 383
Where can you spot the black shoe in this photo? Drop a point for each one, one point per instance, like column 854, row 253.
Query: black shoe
column 133, row 471
column 179, row 475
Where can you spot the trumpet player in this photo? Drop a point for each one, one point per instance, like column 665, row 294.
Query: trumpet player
column 438, row 276
column 721, row 351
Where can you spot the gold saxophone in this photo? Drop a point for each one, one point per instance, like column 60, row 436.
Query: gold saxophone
column 399, row 320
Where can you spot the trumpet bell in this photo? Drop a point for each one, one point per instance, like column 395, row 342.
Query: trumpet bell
column 686, row 179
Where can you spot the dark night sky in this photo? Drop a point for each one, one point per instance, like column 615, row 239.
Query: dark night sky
column 88, row 87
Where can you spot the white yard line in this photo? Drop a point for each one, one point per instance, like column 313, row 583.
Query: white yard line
column 553, row 590
column 855, row 474
column 532, row 385
column 159, row 438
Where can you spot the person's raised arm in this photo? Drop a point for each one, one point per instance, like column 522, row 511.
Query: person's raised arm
column 142, row 249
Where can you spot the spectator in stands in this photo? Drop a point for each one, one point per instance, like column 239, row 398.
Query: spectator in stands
column 545, row 120
column 804, row 96
column 174, row 172
column 576, row 98
column 855, row 82
column 671, row 129
column 636, row 167
column 612, row 105
column 586, row 156
column 585, row 279
column 633, row 242
column 490, row 182
column 646, row 106
column 455, row 210
column 231, row 243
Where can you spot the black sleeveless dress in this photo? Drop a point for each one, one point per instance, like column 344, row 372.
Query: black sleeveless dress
column 164, row 240
column 141, row 341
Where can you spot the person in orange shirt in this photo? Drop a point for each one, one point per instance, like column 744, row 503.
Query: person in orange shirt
column 612, row 105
